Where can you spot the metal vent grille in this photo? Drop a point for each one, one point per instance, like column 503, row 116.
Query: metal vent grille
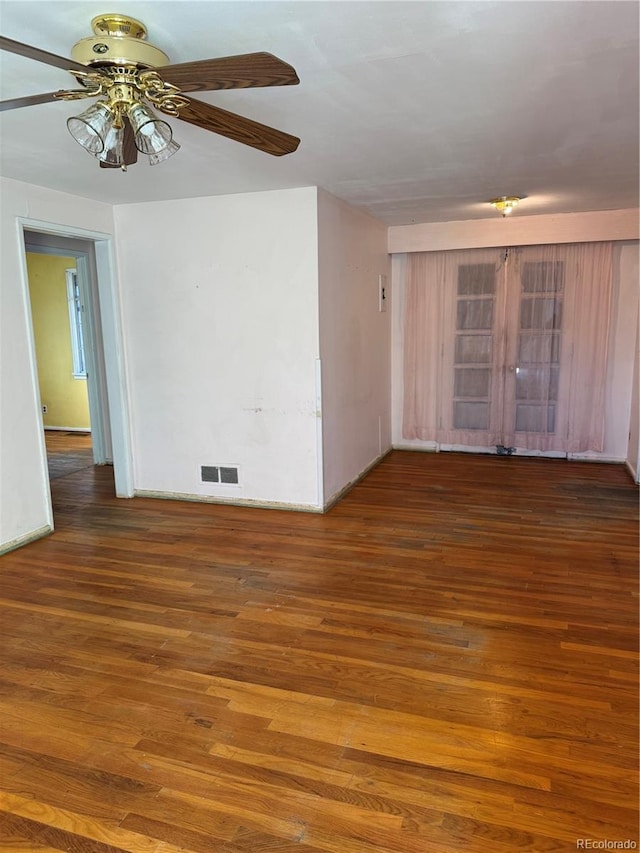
column 226, row 474
column 210, row 474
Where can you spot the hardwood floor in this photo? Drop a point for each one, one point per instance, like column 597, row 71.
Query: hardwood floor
column 446, row 661
column 67, row 452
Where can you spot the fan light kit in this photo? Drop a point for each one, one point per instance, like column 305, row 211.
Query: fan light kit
column 505, row 203
column 130, row 76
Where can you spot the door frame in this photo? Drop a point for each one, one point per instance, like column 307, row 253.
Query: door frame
column 108, row 398
column 96, row 385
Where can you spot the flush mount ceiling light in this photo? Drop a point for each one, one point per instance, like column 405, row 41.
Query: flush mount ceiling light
column 131, row 76
column 505, row 203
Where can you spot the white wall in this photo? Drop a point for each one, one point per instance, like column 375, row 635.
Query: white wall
column 622, row 336
column 24, row 503
column 221, row 330
column 355, row 342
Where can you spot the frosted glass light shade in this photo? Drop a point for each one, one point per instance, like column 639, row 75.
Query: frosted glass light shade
column 113, row 147
column 163, row 155
column 91, row 127
column 151, row 134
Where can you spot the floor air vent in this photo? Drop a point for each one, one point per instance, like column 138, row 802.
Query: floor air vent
column 226, row 474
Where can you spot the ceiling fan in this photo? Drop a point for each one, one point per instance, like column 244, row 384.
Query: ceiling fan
column 127, row 74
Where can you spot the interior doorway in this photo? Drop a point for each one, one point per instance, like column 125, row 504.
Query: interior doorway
column 105, row 381
column 58, row 320
column 65, row 314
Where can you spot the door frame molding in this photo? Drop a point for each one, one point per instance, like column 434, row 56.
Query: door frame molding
column 109, row 324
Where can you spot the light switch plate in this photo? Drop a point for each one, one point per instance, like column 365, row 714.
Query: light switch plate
column 383, row 293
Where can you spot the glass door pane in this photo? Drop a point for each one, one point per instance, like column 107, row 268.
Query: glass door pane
column 474, row 346
column 537, row 347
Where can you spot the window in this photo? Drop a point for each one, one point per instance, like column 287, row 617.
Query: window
column 75, row 324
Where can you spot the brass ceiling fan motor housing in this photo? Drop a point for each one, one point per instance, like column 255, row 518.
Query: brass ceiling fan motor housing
column 118, row 40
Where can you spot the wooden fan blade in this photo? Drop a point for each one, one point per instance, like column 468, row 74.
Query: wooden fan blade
column 239, row 128
column 230, row 72
column 129, row 150
column 40, row 55
column 28, row 101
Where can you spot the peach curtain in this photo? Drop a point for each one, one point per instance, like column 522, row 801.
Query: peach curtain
column 508, row 346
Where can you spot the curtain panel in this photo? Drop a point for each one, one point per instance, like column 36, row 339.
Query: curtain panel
column 508, row 346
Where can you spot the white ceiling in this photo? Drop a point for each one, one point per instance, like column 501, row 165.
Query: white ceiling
column 413, row 111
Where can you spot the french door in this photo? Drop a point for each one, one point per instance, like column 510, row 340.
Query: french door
column 507, row 347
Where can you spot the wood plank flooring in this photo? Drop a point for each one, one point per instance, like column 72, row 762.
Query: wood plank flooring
column 67, row 452
column 446, row 661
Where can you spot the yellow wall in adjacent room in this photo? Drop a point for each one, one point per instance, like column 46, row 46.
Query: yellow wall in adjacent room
column 64, row 396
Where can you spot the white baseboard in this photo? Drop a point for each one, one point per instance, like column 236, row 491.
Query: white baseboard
column 610, row 460
column 26, row 539
column 216, row 499
column 422, row 448
column 631, row 470
column 68, row 429
column 521, row 453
